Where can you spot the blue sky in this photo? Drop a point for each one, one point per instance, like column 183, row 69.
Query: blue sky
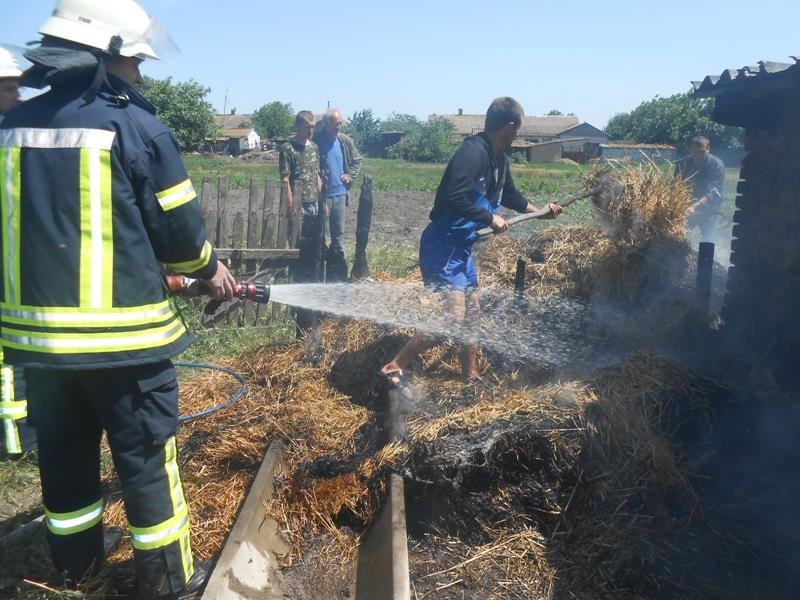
column 591, row 58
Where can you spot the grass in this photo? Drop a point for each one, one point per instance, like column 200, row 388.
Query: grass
column 388, row 174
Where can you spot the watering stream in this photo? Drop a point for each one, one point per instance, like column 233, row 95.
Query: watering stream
column 543, row 330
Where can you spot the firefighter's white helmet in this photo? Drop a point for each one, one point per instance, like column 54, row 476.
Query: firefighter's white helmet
column 8, row 65
column 94, row 22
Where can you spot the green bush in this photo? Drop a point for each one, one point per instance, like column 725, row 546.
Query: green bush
column 428, row 142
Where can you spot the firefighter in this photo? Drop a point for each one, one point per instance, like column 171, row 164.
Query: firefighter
column 94, row 198
column 16, row 436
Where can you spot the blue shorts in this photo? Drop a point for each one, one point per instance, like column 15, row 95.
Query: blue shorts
column 445, row 264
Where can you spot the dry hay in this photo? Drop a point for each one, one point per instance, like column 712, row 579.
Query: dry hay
column 576, row 474
column 592, row 470
column 639, row 252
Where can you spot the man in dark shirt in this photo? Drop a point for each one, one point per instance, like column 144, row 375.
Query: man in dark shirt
column 706, row 174
column 475, row 183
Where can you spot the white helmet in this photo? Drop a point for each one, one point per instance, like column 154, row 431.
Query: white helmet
column 8, row 65
column 94, row 22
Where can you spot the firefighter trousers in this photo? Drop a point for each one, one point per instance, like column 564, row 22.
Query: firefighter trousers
column 138, row 408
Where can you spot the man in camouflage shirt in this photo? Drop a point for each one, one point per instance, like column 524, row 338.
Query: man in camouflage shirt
column 299, row 162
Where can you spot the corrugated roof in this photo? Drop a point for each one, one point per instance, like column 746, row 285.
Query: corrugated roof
column 531, row 126
column 734, row 79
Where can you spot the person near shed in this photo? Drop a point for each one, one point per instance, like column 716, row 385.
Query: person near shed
column 706, row 174
column 476, row 182
column 16, row 437
column 95, row 199
column 298, row 161
column 340, row 163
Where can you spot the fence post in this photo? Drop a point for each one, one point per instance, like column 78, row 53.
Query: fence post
column 363, row 225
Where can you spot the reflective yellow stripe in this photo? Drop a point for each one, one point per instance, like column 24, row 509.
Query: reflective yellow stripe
column 13, row 443
column 176, row 196
column 190, row 266
column 158, row 536
column 78, row 343
column 178, row 503
column 107, row 230
column 7, row 381
column 10, row 200
column 97, row 252
column 174, row 476
column 75, row 521
column 14, row 411
column 48, row 316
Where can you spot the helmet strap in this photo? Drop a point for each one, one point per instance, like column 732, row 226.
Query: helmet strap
column 114, row 47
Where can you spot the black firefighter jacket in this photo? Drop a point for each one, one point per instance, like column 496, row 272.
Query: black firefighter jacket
column 94, row 196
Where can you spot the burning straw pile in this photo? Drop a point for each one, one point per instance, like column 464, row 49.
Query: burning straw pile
column 522, row 490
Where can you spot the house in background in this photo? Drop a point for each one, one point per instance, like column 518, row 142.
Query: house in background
column 240, row 140
column 533, row 129
column 575, row 139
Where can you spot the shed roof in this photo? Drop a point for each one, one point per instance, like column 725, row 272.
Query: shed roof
column 764, row 73
column 231, row 121
column 235, row 132
column 585, row 127
column 531, row 126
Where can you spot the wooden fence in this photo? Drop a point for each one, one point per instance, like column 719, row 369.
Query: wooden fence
column 257, row 238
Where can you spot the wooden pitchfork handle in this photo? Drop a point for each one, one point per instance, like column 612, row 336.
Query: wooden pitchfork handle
column 542, row 212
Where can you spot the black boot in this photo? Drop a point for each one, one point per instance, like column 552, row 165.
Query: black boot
column 112, row 536
column 202, row 569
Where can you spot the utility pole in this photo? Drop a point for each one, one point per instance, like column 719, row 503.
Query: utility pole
column 225, row 103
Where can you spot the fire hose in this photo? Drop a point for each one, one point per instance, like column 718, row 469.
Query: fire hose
column 181, row 285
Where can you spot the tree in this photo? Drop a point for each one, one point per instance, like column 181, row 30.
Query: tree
column 673, row 120
column 401, row 122
column 275, row 119
column 428, row 142
column 554, row 113
column 365, row 130
column 183, row 108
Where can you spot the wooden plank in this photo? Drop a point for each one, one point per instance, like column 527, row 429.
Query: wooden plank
column 268, row 230
column 281, row 241
column 237, row 241
column 252, row 216
column 260, row 254
column 210, row 208
column 224, row 207
column 207, row 191
column 248, row 566
column 283, row 216
column 249, row 311
column 269, row 215
column 238, row 236
column 296, row 218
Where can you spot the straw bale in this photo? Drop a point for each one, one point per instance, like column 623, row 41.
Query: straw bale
column 639, row 251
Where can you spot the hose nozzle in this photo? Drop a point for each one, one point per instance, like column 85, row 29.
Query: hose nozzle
column 180, row 285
